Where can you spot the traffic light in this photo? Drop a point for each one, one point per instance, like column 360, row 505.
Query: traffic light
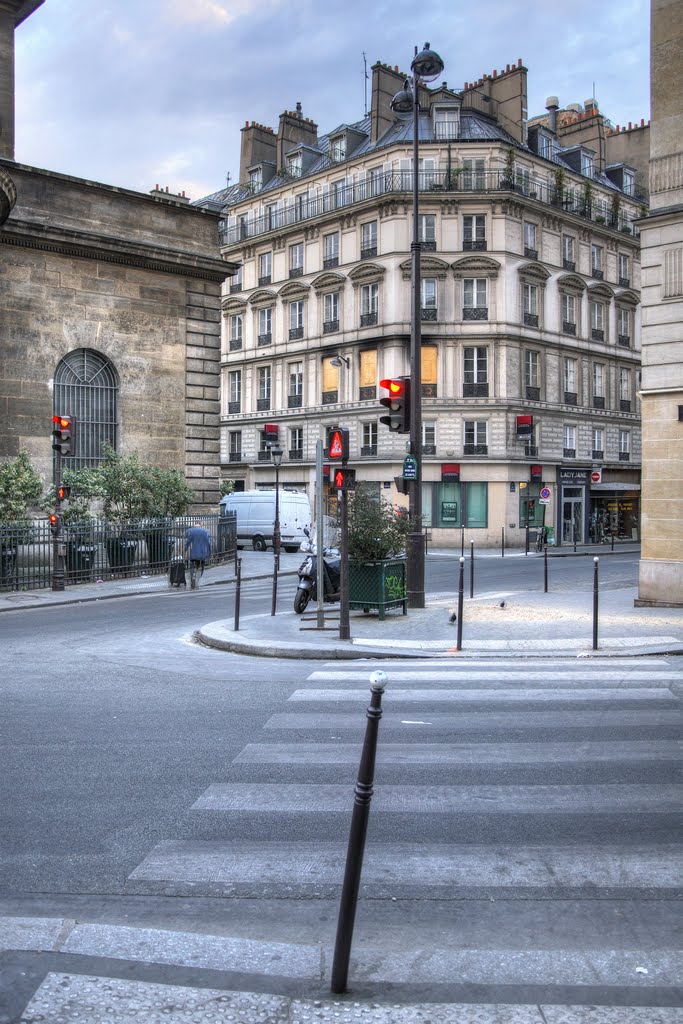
column 64, row 434
column 63, row 492
column 344, row 479
column 55, row 523
column 338, row 444
column 398, row 404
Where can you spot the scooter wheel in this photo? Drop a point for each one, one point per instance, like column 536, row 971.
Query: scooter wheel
column 301, row 599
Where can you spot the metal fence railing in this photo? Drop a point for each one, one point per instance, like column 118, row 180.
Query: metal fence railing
column 97, row 550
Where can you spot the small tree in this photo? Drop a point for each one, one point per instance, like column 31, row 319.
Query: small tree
column 20, row 487
column 377, row 529
column 168, row 492
column 84, row 487
column 122, row 483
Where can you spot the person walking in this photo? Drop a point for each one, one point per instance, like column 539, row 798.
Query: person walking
column 198, row 549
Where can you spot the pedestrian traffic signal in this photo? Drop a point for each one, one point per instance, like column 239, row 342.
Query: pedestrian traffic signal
column 344, row 479
column 338, row 444
column 64, row 434
column 398, row 404
column 63, row 492
column 55, row 523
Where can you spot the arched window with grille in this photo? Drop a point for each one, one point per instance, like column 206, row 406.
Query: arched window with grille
column 86, row 386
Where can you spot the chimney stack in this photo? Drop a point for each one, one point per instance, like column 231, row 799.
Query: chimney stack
column 552, row 105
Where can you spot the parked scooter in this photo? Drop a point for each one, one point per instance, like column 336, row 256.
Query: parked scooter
column 307, row 588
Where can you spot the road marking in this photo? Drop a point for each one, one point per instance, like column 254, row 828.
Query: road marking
column 502, row 697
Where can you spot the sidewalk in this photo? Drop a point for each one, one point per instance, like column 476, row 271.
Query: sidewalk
column 500, row 623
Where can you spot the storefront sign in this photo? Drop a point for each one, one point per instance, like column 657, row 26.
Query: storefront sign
column 574, row 476
column 536, row 476
column 525, row 426
column 409, row 468
column 450, row 472
column 449, row 511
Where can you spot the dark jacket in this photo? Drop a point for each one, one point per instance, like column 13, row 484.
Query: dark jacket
column 198, row 542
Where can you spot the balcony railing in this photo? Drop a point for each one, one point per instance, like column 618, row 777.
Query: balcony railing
column 330, row 262
column 598, row 454
column 264, row 280
column 265, row 339
column 569, row 453
column 367, row 393
column 474, row 245
column 531, row 254
column 597, row 334
column 293, row 401
column 429, row 313
column 235, row 287
column 429, row 449
column 330, row 326
column 264, row 455
column 531, row 451
column 429, row 391
column 569, row 265
column 235, row 344
column 624, row 340
column 393, row 182
column 533, row 394
column 330, row 397
column 296, row 271
column 296, row 333
column 262, row 404
column 368, row 319
column 475, row 390
column 428, row 246
column 624, row 405
column 624, row 282
column 368, row 252
column 368, row 450
column 296, row 454
column 531, row 319
column 624, row 456
column 234, row 407
column 597, row 273
column 598, row 401
column 569, row 328
column 570, row 398
column 475, row 313
column 234, row 456
column 475, row 449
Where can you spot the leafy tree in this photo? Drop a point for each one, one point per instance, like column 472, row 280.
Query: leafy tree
column 122, row 483
column 168, row 493
column 20, row 487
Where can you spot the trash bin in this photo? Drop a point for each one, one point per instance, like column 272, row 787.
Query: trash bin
column 80, row 559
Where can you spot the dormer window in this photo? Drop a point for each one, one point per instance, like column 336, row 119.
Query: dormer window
column 587, row 165
column 545, row 145
column 294, row 165
column 338, row 148
column 446, row 122
column 629, row 182
column 256, row 178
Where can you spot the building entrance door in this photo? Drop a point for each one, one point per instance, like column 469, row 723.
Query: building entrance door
column 572, row 515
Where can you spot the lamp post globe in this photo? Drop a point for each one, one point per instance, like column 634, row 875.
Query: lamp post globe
column 427, row 64
column 402, row 103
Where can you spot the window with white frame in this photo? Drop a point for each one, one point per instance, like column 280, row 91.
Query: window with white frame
column 569, row 441
column 530, row 297
column 530, row 240
column 475, row 298
column 236, row 331
column 598, row 321
column 294, row 165
column 296, row 442
column 475, row 439
column 596, row 260
column 624, row 270
column 265, row 325
column 338, row 148
column 330, row 312
column 624, row 445
column 446, row 123
column 428, row 298
column 473, row 173
column 624, row 325
column 236, row 280
column 263, row 379
column 629, row 183
column 587, row 165
column 427, row 231
column 368, row 239
column 296, row 319
column 256, row 179
column 475, row 372
column 624, row 388
column 568, row 313
column 235, row 445
column 234, row 391
column 570, row 392
column 474, row 232
column 428, row 437
column 369, row 304
column 598, row 443
column 331, row 250
column 544, row 145
column 265, row 267
column 301, row 206
column 568, row 252
column 296, row 259
column 369, row 446
column 532, row 374
column 598, row 385
column 272, row 216
column 296, row 385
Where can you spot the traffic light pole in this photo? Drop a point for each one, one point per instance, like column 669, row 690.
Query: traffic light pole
column 344, row 623
column 416, row 554
column 58, row 548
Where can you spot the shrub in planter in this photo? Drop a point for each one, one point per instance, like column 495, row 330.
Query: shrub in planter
column 377, row 541
column 20, row 487
column 168, row 496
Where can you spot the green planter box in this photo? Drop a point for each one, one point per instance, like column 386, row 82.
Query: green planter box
column 380, row 585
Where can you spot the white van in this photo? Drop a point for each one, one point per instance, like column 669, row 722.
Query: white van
column 256, row 517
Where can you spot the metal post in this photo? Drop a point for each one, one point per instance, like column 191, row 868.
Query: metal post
column 461, row 588
column 238, row 590
column 612, row 538
column 545, row 570
column 344, row 625
column 58, row 546
column 319, row 535
column 526, row 532
column 236, row 558
column 415, row 563
column 596, row 562
column 276, row 569
column 462, row 542
column 502, row 542
column 471, row 569
column 359, row 827
column 574, row 535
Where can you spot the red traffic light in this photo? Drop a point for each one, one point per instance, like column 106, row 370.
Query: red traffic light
column 64, row 434
column 398, row 404
column 55, row 523
column 338, row 444
column 63, row 492
column 394, row 385
column 344, row 479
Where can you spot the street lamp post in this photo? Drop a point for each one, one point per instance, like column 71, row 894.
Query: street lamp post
column 276, row 455
column 426, row 66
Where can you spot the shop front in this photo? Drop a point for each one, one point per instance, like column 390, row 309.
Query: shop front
column 573, row 506
column 614, row 512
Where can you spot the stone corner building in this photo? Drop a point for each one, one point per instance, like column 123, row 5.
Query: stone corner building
column 110, row 309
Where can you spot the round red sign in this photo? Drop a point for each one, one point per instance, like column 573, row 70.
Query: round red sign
column 596, row 476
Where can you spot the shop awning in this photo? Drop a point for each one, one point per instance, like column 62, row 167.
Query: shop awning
column 616, row 486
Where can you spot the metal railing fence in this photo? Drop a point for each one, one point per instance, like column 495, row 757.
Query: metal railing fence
column 99, row 550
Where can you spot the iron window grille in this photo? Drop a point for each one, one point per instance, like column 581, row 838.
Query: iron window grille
column 235, row 456
column 265, row 339
column 598, row 453
column 531, row 319
column 294, row 401
column 475, row 449
column 570, row 398
column 429, row 449
column 429, row 245
column 533, row 394
column 330, row 261
column 475, row 313
column 368, row 252
column 474, row 245
column 264, row 455
column 531, row 451
column 235, row 344
column 624, row 340
column 597, row 273
column 429, row 391
column 366, row 393
column 296, row 271
column 568, row 327
column 624, row 404
column 428, row 313
column 368, row 319
column 234, row 407
column 262, row 404
column 624, row 456
column 86, row 385
column 330, row 326
column 569, row 265
column 295, row 333
column 475, row 390
column 624, row 282
column 598, row 402
column 330, row 397
column 265, row 279
column 296, row 454
column 569, row 453
column 531, row 254
column 597, row 334
column 368, row 450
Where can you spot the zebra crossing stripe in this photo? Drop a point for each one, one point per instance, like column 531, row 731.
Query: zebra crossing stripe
column 489, row 719
column 296, row 798
column 499, row 697
column 632, row 679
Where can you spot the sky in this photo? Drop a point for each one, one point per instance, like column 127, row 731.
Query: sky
column 136, row 93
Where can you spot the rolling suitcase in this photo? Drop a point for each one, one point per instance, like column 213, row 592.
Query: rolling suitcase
column 176, row 572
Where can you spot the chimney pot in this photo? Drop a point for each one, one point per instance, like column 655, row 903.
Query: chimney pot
column 519, row 62
column 495, row 73
column 507, row 68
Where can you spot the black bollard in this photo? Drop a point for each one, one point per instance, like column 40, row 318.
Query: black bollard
column 545, row 570
column 526, row 538
column 612, row 536
column 461, row 589
column 236, row 558
column 238, row 588
column 502, row 542
column 596, row 562
column 471, row 569
column 359, row 827
column 462, row 542
column 276, row 567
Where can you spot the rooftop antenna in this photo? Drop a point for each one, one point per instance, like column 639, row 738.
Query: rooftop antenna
column 227, row 179
column 365, row 82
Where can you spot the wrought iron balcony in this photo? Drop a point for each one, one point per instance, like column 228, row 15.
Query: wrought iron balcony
column 475, row 313
column 368, row 319
column 235, row 457
column 265, row 339
column 235, row 344
column 597, row 334
column 428, row 246
column 264, row 280
column 330, row 262
column 369, row 450
column 598, row 454
column 235, row 287
column 330, row 397
column 531, row 254
column 597, row 273
column 428, row 313
column 429, row 449
column 296, row 454
column 369, row 252
column 598, row 401
column 624, row 456
column 264, row 455
column 569, row 453
column 533, row 394
column 234, row 407
column 624, row 282
column 569, row 265
column 296, row 333
column 570, row 398
column 293, row 401
column 624, row 405
column 475, row 449
column 474, row 245
column 475, row 390
column 531, row 451
column 367, row 393
column 262, row 404
column 624, row 340
column 531, row 319
column 568, row 327
column 429, row 391
column 296, row 271
column 330, row 326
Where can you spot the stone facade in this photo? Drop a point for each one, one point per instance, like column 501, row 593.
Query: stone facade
column 135, row 279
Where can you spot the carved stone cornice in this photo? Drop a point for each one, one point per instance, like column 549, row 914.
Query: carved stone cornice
column 8, row 195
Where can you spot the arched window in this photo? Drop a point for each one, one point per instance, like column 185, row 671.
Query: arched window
column 86, row 386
